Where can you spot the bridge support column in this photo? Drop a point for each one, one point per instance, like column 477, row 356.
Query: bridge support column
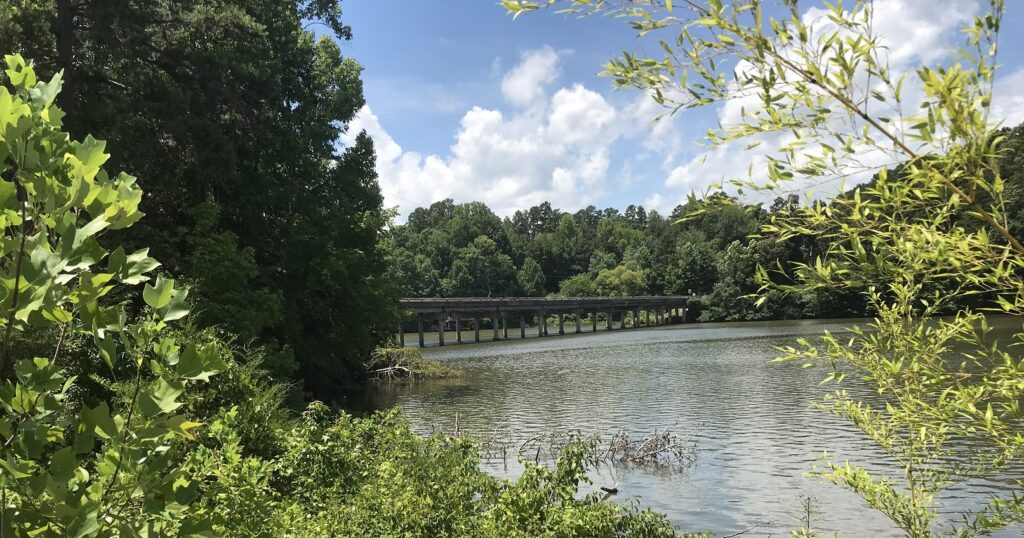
column 476, row 328
column 522, row 326
column 660, row 316
column 419, row 320
column 622, row 321
column 579, row 314
column 610, row 318
column 593, row 322
column 440, row 330
column 636, row 318
column 494, row 325
column 561, row 323
column 541, row 323
column 458, row 330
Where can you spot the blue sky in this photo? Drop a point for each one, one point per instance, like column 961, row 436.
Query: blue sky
column 464, row 102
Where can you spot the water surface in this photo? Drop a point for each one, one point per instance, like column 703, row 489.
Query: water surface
column 749, row 418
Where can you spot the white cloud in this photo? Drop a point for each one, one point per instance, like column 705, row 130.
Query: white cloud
column 524, row 85
column 918, row 31
column 1008, row 99
column 578, row 115
column 659, row 203
column 932, row 36
column 555, row 147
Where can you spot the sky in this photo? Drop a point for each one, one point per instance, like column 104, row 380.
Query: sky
column 464, row 102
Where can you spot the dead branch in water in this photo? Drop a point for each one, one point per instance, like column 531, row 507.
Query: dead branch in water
column 397, row 364
column 664, row 450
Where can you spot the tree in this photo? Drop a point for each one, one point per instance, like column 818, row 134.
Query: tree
column 581, row 285
column 636, row 216
column 480, row 270
column 733, row 296
column 473, row 219
column 692, row 269
column 900, row 241
column 266, row 102
column 621, row 281
column 600, row 261
column 84, row 468
column 531, row 279
column 536, row 220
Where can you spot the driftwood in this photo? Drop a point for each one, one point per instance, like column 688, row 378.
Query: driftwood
column 660, row 449
column 399, row 364
column 392, row 372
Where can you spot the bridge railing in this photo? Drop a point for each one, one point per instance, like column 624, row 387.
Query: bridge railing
column 447, row 311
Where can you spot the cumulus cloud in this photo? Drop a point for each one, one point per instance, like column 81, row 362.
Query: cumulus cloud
column 932, row 36
column 552, row 141
column 525, row 84
column 550, row 147
column 1008, row 99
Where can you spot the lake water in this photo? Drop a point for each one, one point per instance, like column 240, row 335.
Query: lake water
column 749, row 418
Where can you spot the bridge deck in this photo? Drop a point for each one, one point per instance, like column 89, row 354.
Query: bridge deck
column 548, row 304
column 453, row 310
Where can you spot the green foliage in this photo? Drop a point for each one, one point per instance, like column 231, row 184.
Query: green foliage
column 639, row 252
column 693, row 269
column 932, row 236
column 84, row 468
column 621, row 281
column 733, row 296
column 577, row 286
column 480, row 270
column 249, row 195
column 130, row 462
column 601, row 260
column 227, row 270
column 531, row 279
column 543, row 502
column 336, row 473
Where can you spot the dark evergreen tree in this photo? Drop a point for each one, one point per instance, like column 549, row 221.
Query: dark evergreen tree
column 235, row 106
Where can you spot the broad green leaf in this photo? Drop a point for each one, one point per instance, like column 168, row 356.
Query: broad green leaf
column 159, row 295
column 63, row 464
column 200, row 362
column 161, row 398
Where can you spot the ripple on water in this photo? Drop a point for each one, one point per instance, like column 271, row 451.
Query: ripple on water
column 750, row 418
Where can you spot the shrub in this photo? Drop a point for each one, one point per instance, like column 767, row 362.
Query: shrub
column 80, row 468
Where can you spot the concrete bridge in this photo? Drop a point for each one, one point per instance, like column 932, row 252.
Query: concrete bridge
column 659, row 310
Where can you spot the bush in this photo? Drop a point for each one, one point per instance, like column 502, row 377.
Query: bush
column 408, row 363
column 344, row 476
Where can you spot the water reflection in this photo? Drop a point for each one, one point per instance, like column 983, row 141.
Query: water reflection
column 750, row 418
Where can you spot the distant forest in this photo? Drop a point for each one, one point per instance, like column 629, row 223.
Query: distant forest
column 466, row 250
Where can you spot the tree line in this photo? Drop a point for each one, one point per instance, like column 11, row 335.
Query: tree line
column 709, row 249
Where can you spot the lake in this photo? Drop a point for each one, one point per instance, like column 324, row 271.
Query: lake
column 748, row 418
